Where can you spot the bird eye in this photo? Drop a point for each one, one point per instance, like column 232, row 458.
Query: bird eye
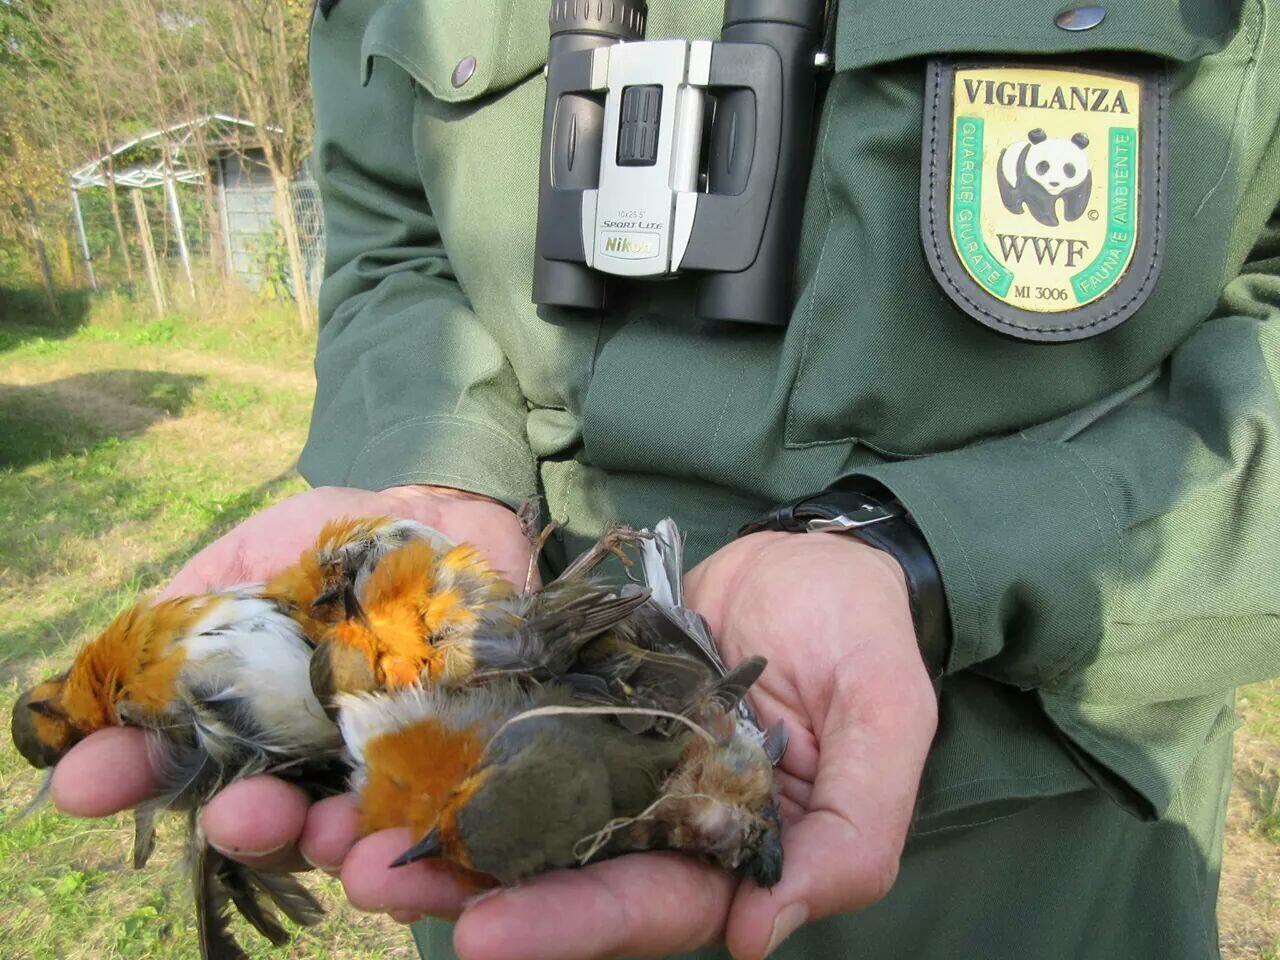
column 1069, row 169
column 1042, row 167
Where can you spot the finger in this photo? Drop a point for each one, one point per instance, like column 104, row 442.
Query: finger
column 793, row 789
column 105, row 773
column 188, row 581
column 257, row 821
column 424, row 888
column 509, row 555
column 331, row 830
column 843, row 854
column 489, row 525
column 219, row 564
column 652, row 904
column 406, row 917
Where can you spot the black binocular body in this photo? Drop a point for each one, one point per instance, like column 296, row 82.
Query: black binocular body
column 672, row 156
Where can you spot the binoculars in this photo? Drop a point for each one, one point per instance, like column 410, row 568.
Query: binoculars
column 672, row 156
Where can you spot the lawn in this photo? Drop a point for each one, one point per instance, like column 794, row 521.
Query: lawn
column 126, row 444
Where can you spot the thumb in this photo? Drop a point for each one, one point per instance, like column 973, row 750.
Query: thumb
column 843, row 854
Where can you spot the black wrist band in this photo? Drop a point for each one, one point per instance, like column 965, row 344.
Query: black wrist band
column 867, row 512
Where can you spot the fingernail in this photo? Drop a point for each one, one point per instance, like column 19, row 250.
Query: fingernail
column 406, row 916
column 239, row 853
column 332, row 869
column 787, row 922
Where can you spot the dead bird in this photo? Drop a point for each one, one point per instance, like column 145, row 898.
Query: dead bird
column 220, row 684
column 634, row 739
column 432, row 611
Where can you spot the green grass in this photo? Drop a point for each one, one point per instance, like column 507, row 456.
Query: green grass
column 1261, row 776
column 126, row 444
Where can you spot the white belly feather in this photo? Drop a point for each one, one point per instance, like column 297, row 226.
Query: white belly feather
column 244, row 648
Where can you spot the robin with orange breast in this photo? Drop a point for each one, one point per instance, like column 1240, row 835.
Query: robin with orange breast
column 635, row 740
column 523, row 780
column 220, row 684
column 427, row 610
column 347, row 550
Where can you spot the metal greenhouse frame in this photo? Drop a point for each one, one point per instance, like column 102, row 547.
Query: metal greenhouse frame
column 167, row 165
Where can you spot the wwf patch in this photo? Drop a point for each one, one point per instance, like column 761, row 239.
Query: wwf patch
column 1042, row 193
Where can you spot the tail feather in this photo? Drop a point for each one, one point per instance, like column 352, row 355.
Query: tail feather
column 213, row 921
column 290, row 897
column 662, row 558
column 239, row 883
column 144, row 835
column 220, row 883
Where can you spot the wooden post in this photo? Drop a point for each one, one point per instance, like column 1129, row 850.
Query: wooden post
column 148, row 250
column 118, row 222
column 293, row 247
column 224, row 215
column 84, row 239
column 37, row 241
column 172, row 192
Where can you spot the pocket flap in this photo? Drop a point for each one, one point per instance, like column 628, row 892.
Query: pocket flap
column 506, row 41
column 878, row 31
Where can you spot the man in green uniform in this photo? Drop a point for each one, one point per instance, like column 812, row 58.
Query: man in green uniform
column 1037, row 303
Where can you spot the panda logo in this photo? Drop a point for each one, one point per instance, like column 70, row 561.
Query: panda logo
column 1038, row 171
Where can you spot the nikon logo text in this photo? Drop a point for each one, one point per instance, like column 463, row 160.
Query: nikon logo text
column 631, row 246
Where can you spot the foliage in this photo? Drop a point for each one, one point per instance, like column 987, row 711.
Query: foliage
column 271, row 260
column 78, row 78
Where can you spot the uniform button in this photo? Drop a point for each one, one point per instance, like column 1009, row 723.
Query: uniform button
column 463, row 71
column 1080, row 18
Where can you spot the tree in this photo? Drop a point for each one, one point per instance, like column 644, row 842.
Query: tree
column 264, row 40
column 76, row 78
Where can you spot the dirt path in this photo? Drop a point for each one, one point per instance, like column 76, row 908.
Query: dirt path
column 244, row 371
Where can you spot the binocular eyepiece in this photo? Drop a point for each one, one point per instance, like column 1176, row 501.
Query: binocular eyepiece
column 671, row 156
column 613, row 21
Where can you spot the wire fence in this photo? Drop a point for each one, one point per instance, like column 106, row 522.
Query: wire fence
column 229, row 225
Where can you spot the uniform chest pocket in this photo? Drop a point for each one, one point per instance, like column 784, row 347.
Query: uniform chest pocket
column 457, row 52
column 921, row 319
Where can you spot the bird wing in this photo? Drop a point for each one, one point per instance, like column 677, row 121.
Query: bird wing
column 540, row 635
column 665, row 625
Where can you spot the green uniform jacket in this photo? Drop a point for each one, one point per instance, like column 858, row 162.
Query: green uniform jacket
column 1105, row 513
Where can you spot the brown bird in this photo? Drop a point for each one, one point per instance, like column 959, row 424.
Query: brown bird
column 315, row 587
column 220, row 684
column 429, row 611
column 577, row 743
column 506, row 792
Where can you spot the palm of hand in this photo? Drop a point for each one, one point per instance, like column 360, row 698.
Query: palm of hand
column 274, row 538
column 845, row 675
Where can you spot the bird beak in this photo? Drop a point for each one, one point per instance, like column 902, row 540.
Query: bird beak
column 428, row 846
column 327, row 598
column 345, row 593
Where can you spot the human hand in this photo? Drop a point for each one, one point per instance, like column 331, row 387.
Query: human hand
column 258, row 820
column 845, row 673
